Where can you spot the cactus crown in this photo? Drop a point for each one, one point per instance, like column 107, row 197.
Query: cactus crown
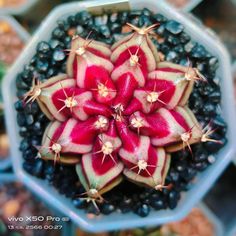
column 119, row 111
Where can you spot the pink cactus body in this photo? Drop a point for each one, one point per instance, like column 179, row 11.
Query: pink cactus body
column 119, row 111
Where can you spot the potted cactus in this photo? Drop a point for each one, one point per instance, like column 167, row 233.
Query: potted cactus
column 13, row 38
column 16, row 7
column 119, row 111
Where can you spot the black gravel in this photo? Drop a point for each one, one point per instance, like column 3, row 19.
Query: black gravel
column 177, row 47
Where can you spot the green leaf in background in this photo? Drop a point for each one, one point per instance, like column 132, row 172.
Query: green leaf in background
column 2, row 73
column 3, row 228
column 2, row 70
column 16, row 234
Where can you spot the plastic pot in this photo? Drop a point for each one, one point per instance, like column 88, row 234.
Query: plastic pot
column 191, row 5
column 202, row 182
column 24, row 36
column 234, row 78
column 216, row 223
column 18, row 10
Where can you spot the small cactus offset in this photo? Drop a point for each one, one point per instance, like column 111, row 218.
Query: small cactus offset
column 119, row 112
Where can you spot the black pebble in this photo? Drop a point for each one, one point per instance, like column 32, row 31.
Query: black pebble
column 135, row 13
column 174, row 175
column 58, row 56
column 173, row 40
column 213, row 147
column 188, row 174
column 29, row 154
column 200, row 154
column 31, row 108
column 209, row 109
column 63, row 25
column 184, row 38
column 143, row 210
column 29, row 119
column 215, row 97
column 160, row 18
column 113, row 18
column 91, row 209
column 42, row 66
column 160, row 30
column 181, row 166
column 213, row 63
column 179, row 49
column 107, row 208
column 27, row 75
column 105, row 31
column 49, row 170
column 122, row 17
column 35, row 141
column 21, row 119
column 24, row 145
column 79, row 203
column 57, row 33
column 38, row 167
column 115, row 28
column 174, row 27
column 19, row 105
column 164, row 48
column 220, row 125
column 184, row 62
column 41, row 117
column 79, row 29
column 200, row 166
column 171, row 56
column 146, row 12
column 126, row 205
column 51, row 72
column 157, row 203
column 54, row 43
column 199, row 52
column 189, row 46
column 37, row 127
column 101, row 20
column 173, row 199
column 144, row 20
column 72, row 20
column 43, row 47
column 23, row 131
column 83, row 18
column 20, row 84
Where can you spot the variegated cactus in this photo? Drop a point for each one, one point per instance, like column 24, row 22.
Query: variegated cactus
column 118, row 112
